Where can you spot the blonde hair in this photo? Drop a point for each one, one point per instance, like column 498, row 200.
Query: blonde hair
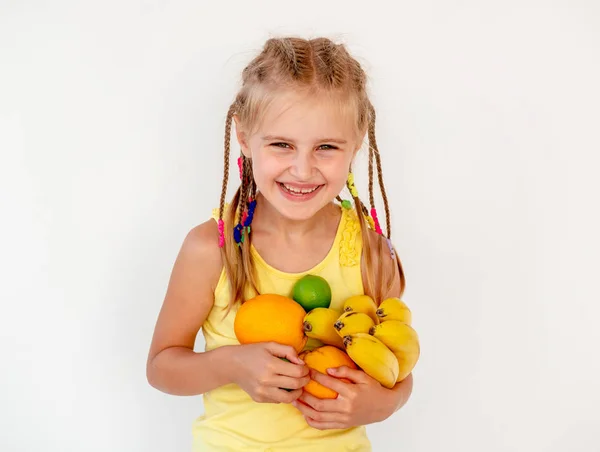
column 317, row 66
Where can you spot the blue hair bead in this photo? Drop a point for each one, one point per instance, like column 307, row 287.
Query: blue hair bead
column 237, row 233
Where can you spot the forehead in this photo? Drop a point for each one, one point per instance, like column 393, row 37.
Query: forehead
column 305, row 117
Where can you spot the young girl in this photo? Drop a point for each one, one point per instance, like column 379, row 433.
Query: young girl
column 300, row 118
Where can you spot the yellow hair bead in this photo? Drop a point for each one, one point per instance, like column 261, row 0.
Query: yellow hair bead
column 371, row 222
column 351, row 185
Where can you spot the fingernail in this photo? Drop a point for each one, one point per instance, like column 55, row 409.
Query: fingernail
column 300, row 361
column 331, row 371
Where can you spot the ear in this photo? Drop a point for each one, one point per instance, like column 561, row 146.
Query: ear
column 359, row 144
column 242, row 138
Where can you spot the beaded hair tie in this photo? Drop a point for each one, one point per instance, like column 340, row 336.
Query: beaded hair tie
column 372, row 219
column 244, row 225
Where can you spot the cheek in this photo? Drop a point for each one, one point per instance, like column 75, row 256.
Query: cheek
column 266, row 169
column 336, row 173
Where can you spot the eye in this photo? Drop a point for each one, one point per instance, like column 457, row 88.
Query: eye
column 328, row 147
column 279, row 145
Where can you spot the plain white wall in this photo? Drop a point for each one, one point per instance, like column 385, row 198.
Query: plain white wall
column 111, row 132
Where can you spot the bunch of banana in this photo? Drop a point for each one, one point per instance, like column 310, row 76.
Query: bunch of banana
column 396, row 332
column 387, row 347
column 380, row 340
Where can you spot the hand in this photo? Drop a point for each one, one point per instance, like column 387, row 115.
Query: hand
column 359, row 403
column 262, row 373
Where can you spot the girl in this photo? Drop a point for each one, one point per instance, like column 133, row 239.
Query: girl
column 300, row 118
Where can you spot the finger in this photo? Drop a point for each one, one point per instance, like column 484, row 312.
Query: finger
column 282, row 381
column 354, row 375
column 283, row 351
column 331, row 405
column 320, row 416
column 332, row 383
column 279, row 395
column 291, row 370
column 325, row 425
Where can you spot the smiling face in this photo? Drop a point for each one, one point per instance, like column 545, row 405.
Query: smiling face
column 301, row 153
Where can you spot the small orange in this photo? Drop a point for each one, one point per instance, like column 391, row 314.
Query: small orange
column 320, row 359
column 271, row 317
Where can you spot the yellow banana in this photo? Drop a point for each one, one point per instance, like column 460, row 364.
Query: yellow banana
column 351, row 322
column 364, row 304
column 318, row 324
column 402, row 340
column 406, row 363
column 394, row 309
column 373, row 357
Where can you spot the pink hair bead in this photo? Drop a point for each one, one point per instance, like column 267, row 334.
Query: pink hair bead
column 221, row 233
column 240, row 166
column 376, row 221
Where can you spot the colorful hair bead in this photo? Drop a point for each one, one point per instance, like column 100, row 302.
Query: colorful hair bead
column 346, row 204
column 392, row 253
column 248, row 220
column 221, row 233
column 371, row 222
column 240, row 162
column 238, row 235
column 351, row 185
column 376, row 221
column 244, row 224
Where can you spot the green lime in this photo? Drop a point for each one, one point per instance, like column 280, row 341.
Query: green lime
column 311, row 292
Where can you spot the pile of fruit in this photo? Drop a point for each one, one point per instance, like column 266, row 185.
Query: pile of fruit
column 378, row 339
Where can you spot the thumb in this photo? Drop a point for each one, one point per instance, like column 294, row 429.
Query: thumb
column 354, row 375
column 284, row 352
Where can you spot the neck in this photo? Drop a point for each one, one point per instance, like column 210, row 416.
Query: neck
column 290, row 229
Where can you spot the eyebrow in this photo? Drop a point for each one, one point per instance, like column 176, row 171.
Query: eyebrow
column 331, row 140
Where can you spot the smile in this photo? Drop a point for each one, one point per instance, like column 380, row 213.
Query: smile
column 299, row 191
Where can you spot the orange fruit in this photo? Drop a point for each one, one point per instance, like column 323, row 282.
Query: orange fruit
column 320, row 359
column 271, row 317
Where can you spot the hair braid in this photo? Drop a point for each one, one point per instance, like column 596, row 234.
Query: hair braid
column 374, row 149
column 371, row 197
column 228, row 122
column 244, row 189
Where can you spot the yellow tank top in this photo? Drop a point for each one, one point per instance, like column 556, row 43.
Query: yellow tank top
column 232, row 421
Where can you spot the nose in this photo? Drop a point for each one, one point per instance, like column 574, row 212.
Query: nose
column 303, row 166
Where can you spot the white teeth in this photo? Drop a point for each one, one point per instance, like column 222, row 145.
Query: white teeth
column 300, row 190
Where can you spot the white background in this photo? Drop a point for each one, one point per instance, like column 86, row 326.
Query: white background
column 111, row 132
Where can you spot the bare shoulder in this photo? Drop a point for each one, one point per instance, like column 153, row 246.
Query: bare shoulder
column 190, row 292
column 380, row 253
column 201, row 247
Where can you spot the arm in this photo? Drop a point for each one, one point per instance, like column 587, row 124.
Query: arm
column 173, row 366
column 380, row 251
column 402, row 391
column 366, row 401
